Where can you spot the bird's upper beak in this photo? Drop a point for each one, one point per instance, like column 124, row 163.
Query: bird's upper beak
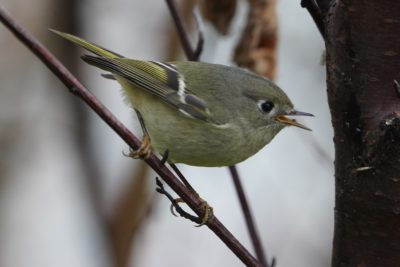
column 284, row 119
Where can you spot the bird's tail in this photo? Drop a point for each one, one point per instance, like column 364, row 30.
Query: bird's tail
column 95, row 49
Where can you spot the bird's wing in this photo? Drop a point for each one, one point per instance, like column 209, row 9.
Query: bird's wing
column 94, row 48
column 159, row 79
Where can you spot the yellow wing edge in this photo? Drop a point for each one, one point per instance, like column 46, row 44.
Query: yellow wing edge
column 95, row 49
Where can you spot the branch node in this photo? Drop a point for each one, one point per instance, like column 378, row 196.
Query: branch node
column 315, row 13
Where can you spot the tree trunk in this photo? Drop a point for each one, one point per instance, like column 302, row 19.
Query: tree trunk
column 363, row 60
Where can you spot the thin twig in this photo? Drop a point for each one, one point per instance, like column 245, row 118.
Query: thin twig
column 75, row 87
column 200, row 39
column 187, row 47
column 316, row 14
column 192, row 55
column 182, row 177
column 257, row 245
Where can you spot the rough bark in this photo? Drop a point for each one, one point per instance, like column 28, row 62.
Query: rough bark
column 363, row 60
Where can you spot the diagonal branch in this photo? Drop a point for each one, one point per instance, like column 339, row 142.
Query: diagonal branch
column 192, row 55
column 75, row 87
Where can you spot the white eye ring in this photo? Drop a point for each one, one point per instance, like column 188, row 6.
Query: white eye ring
column 266, row 106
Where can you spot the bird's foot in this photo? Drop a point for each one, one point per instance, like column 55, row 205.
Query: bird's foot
column 207, row 211
column 143, row 152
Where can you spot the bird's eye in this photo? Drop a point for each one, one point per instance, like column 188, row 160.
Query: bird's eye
column 266, row 106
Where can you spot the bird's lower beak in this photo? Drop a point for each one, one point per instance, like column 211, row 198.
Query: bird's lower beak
column 284, row 119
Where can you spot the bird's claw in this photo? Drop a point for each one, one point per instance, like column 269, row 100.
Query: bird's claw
column 173, row 204
column 143, row 152
column 207, row 211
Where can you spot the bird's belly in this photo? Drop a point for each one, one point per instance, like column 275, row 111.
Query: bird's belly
column 195, row 142
column 190, row 141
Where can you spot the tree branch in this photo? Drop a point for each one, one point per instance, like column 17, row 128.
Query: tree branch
column 75, row 87
column 258, row 247
column 316, row 14
column 192, row 55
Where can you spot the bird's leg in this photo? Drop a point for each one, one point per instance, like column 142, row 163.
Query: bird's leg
column 207, row 209
column 144, row 151
column 164, row 157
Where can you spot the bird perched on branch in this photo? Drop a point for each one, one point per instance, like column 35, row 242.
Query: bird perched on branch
column 202, row 114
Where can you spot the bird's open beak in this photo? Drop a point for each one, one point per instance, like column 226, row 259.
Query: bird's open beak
column 284, row 119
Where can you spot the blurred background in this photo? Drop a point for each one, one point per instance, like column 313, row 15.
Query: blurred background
column 68, row 197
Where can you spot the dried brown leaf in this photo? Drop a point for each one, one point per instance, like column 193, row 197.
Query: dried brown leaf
column 257, row 47
column 219, row 13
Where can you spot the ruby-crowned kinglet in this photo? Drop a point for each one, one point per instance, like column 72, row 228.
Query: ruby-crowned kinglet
column 203, row 114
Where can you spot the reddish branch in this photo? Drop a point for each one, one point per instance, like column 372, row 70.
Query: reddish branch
column 75, row 87
column 251, row 226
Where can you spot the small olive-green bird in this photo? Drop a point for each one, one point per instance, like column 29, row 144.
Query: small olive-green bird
column 202, row 114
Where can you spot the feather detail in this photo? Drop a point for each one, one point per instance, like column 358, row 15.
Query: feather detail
column 154, row 79
column 108, row 76
column 157, row 78
column 95, row 49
